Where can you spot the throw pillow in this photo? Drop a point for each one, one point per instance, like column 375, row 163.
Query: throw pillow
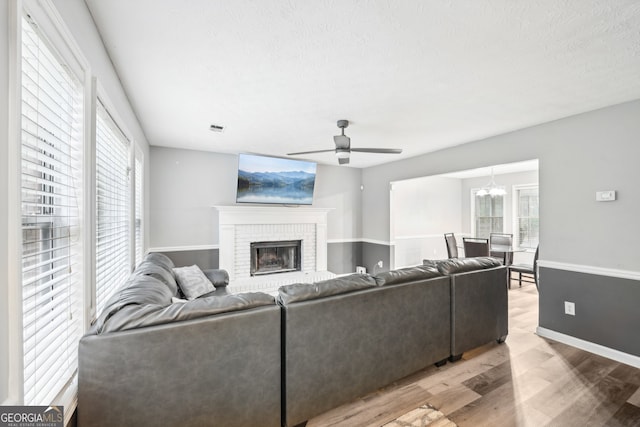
column 192, row 281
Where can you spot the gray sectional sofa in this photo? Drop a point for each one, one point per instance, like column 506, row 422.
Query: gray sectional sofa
column 150, row 362
column 247, row 359
column 337, row 347
column 479, row 306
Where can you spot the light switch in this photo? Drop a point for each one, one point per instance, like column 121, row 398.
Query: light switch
column 605, row 196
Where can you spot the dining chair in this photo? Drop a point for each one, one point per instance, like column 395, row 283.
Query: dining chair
column 531, row 271
column 452, row 246
column 475, row 247
column 501, row 246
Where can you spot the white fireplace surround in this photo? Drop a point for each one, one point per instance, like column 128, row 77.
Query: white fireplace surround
column 240, row 225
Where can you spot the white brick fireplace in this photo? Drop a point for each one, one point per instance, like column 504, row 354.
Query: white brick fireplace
column 239, row 226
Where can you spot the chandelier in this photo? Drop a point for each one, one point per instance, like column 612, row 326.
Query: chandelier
column 491, row 189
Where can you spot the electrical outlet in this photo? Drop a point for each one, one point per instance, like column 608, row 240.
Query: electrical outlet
column 570, row 308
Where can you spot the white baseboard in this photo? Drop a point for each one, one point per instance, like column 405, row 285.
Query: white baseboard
column 600, row 350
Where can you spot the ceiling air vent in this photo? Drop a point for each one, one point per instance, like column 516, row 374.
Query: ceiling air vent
column 216, row 128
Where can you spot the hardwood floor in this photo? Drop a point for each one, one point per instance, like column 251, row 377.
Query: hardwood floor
column 528, row 381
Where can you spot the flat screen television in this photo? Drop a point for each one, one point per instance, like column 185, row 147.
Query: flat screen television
column 272, row 180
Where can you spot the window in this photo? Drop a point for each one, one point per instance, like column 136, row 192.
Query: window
column 113, row 255
column 139, row 242
column 527, row 221
column 488, row 214
column 51, row 178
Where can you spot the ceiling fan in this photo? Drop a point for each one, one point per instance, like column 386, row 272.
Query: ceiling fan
column 343, row 147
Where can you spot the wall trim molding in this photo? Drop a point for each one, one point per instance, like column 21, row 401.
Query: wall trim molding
column 376, row 242
column 347, row 240
column 217, row 246
column 589, row 269
column 421, row 236
column 183, row 248
column 600, row 350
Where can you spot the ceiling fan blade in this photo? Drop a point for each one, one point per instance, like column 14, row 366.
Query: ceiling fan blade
column 311, row 152
column 343, row 161
column 342, row 141
column 378, row 150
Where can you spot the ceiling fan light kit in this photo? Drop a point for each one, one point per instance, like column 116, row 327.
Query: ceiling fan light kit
column 342, row 153
column 343, row 147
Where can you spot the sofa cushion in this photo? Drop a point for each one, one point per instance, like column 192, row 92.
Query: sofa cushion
column 160, row 259
column 139, row 290
column 150, row 268
column 133, row 316
column 192, row 281
column 409, row 274
column 340, row 285
column 462, row 265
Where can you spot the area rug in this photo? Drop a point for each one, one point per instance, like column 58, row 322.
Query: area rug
column 426, row 415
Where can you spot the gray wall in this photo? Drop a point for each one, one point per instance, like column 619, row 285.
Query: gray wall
column 372, row 253
column 594, row 296
column 578, row 156
column 204, row 258
column 186, row 184
column 343, row 257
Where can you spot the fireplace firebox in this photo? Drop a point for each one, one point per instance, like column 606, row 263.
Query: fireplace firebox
column 275, row 257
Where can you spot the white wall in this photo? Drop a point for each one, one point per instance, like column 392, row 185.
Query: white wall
column 186, row 184
column 577, row 156
column 422, row 211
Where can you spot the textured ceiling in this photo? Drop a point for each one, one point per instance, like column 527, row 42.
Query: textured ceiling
column 414, row 74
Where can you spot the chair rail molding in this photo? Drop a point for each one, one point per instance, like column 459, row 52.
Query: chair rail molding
column 184, row 248
column 590, row 269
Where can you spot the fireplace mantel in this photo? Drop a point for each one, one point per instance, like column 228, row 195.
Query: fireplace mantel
column 306, row 223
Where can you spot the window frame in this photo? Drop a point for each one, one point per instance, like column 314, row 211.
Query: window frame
column 101, row 99
column 474, row 192
column 515, row 213
column 51, row 28
column 138, row 210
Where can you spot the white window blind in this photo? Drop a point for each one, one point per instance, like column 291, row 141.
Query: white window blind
column 51, row 181
column 139, row 244
column 113, row 260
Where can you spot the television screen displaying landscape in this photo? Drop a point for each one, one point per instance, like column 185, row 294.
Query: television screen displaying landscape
column 273, row 180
